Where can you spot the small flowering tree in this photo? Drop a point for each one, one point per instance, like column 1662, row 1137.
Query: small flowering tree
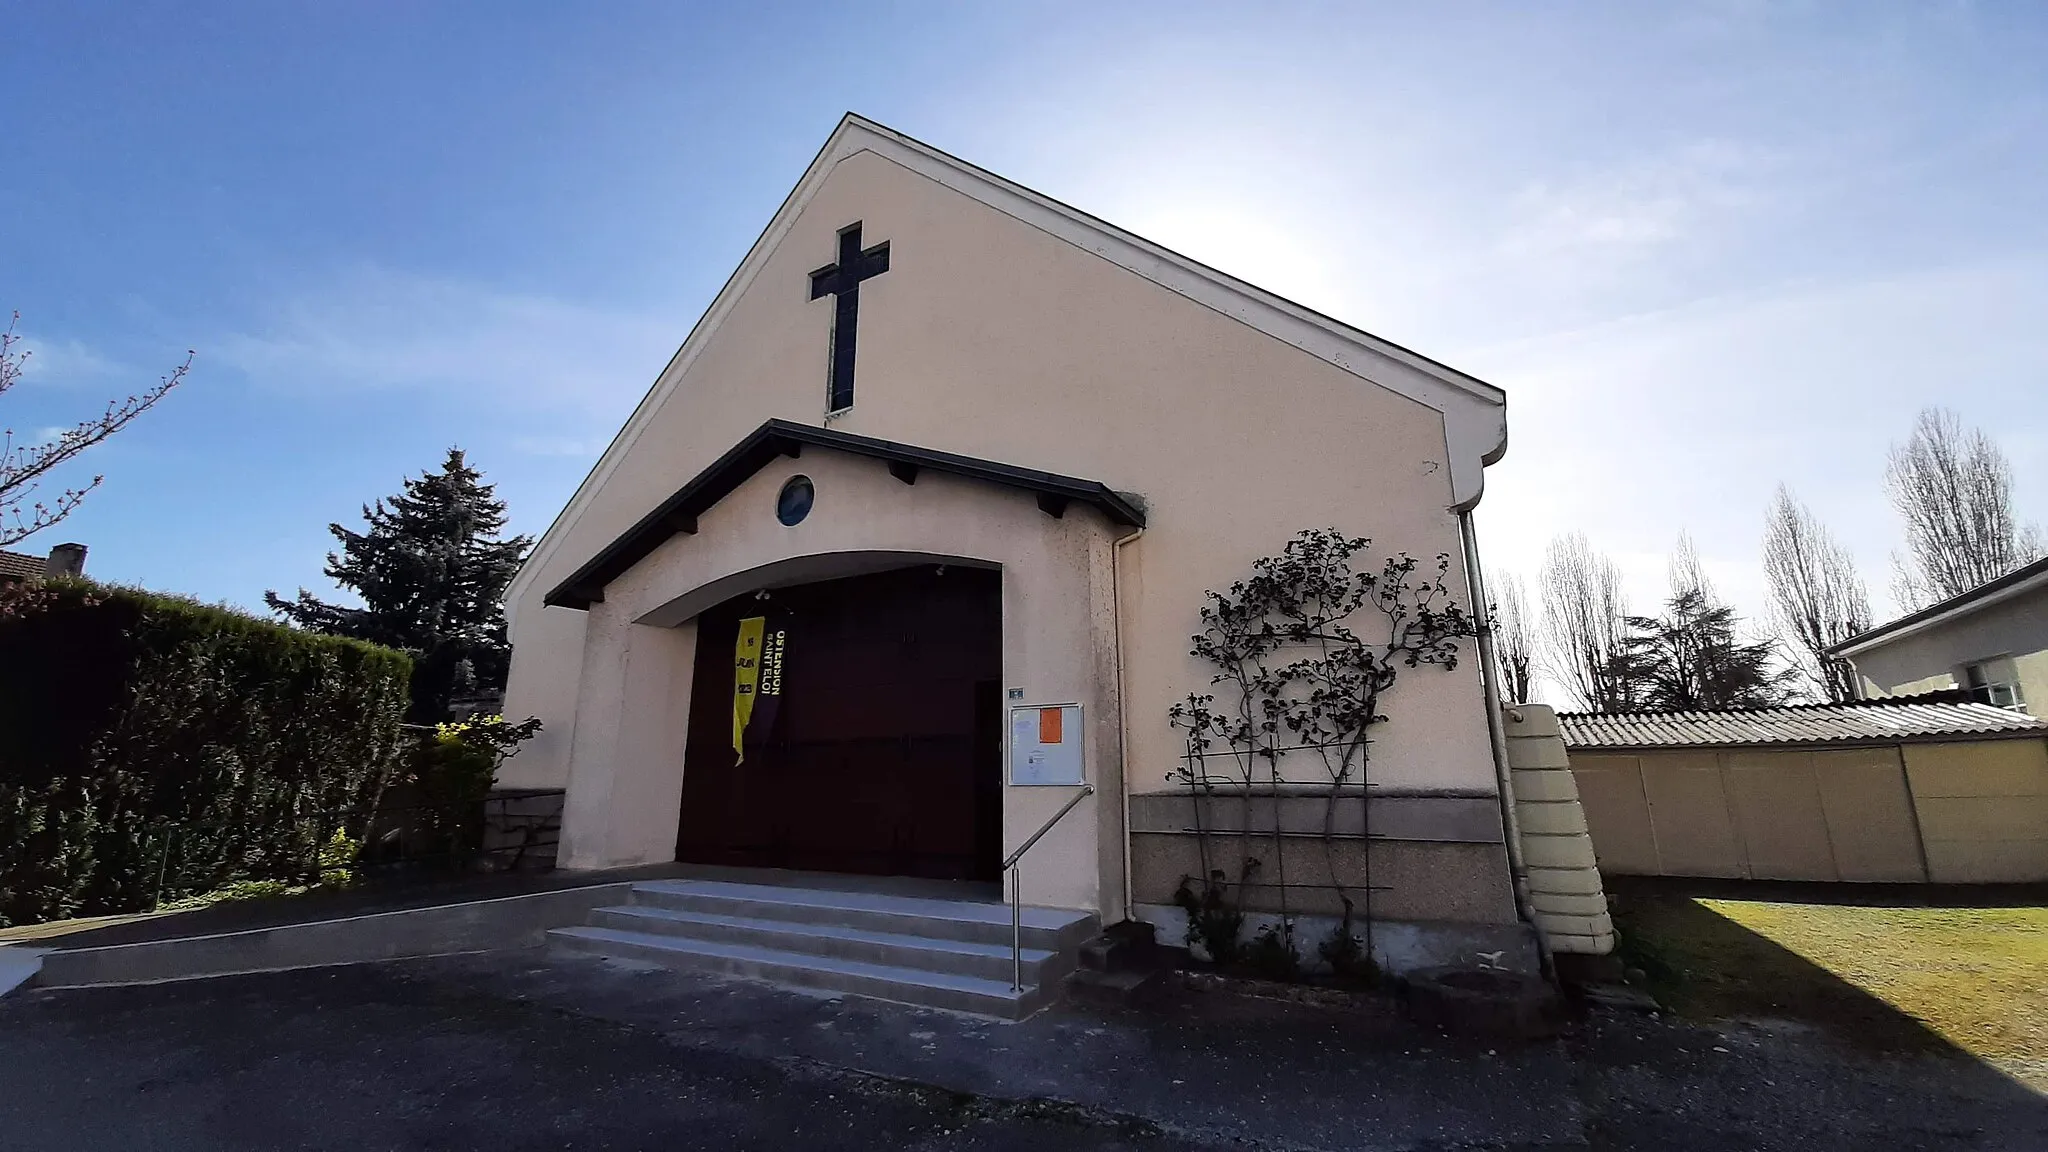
column 23, row 465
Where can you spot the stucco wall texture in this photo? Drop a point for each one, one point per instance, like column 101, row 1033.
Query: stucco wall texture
column 993, row 339
column 1951, row 812
column 2015, row 629
column 626, row 765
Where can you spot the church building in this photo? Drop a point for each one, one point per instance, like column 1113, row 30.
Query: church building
column 900, row 557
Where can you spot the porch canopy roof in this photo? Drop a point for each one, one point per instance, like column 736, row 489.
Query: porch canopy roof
column 778, row 438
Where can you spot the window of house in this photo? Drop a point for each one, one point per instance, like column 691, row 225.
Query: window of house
column 1994, row 682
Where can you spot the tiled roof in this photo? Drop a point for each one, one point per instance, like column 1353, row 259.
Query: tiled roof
column 20, row 566
column 1859, row 723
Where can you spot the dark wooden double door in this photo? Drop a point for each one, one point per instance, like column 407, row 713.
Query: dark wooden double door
column 884, row 753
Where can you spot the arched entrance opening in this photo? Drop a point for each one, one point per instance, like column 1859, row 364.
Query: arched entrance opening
column 866, row 735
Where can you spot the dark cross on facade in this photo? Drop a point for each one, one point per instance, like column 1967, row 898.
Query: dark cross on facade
column 843, row 280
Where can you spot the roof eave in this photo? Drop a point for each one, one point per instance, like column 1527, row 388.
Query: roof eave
column 2018, row 582
column 1477, row 439
column 677, row 515
column 1435, row 368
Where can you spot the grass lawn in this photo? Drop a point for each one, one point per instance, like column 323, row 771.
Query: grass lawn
column 1897, row 979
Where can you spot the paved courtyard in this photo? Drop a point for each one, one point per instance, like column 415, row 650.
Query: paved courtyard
column 524, row 1050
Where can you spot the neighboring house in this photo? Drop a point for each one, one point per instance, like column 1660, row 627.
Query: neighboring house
column 1991, row 641
column 981, row 569
column 1919, row 790
column 20, row 567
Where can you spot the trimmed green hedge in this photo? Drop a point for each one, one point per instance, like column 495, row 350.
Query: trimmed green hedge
column 124, row 714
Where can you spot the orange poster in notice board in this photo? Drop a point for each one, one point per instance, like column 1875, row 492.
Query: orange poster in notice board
column 1040, row 751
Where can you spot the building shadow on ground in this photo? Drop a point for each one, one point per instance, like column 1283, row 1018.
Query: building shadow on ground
column 1704, row 965
column 1709, row 965
column 1761, row 1031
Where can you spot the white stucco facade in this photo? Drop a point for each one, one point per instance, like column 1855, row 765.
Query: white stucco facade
column 1013, row 330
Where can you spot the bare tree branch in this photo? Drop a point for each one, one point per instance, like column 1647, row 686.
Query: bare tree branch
column 1584, row 624
column 1514, row 639
column 1904, row 584
column 23, row 465
column 1817, row 598
column 1953, row 488
column 1687, row 573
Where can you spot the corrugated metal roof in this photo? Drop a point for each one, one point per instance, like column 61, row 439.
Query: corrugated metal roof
column 20, row 566
column 1863, row 722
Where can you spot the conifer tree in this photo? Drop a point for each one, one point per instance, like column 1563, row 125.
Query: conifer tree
column 431, row 571
column 1691, row 658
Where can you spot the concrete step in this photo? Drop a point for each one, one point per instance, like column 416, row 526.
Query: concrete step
column 1123, row 988
column 894, row 949
column 971, row 921
column 802, row 970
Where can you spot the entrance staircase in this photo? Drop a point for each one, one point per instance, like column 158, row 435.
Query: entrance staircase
column 914, row 949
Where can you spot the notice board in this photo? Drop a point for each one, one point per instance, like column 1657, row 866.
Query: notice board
column 1045, row 745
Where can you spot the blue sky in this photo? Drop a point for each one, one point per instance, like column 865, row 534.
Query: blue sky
column 1705, row 248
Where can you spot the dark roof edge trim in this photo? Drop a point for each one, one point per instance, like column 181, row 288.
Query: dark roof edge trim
column 778, row 438
column 2011, row 580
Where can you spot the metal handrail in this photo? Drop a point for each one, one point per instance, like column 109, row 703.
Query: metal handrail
column 1017, row 886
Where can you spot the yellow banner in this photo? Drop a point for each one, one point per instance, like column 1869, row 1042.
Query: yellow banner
column 746, row 666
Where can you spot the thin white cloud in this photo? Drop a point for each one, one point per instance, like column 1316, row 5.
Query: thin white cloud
column 65, row 363
column 1688, row 418
column 384, row 329
column 1639, row 206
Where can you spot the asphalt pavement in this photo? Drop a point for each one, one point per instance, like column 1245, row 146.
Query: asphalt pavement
column 528, row 1050
column 363, row 1058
